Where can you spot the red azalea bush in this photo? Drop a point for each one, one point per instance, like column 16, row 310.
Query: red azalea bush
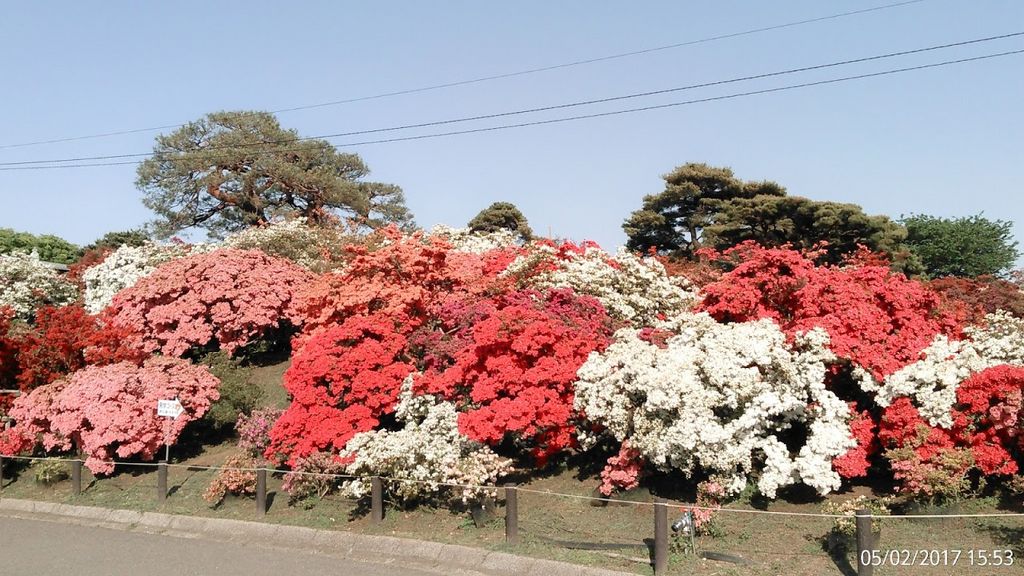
column 878, row 319
column 110, row 410
column 986, row 435
column 341, row 381
column 514, row 375
column 227, row 297
column 8, row 356
column 980, row 296
column 66, row 339
column 402, row 277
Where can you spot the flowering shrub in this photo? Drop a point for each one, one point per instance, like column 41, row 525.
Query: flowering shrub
column 877, row 319
column 254, row 430
column 632, row 289
column 316, row 248
column 65, row 339
column 847, row 525
column 466, row 240
column 111, row 410
column 982, row 295
column 722, row 397
column 622, row 472
column 8, row 354
column 27, row 284
column 402, row 278
column 123, row 267
column 227, row 297
column 13, row 442
column 313, row 477
column 932, row 381
column 341, row 382
column 237, row 477
column 513, row 375
column 428, row 453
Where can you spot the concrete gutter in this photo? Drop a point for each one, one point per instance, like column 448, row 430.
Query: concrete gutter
column 432, row 556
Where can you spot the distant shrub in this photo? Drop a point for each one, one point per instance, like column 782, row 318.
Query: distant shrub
column 27, row 284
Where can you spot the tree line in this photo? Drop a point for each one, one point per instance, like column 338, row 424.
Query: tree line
column 232, row 170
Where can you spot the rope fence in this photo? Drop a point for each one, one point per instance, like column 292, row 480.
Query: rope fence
column 866, row 540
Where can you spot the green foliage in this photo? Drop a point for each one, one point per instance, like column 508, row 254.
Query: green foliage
column 50, row 248
column 114, row 240
column 707, row 206
column 501, row 216
column 50, row 471
column 673, row 221
column 966, row 247
column 804, row 223
column 237, row 394
column 232, row 170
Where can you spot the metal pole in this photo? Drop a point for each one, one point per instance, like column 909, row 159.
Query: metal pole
column 511, row 514
column 660, row 536
column 376, row 499
column 76, row 477
column 261, row 491
column 865, row 543
column 161, row 481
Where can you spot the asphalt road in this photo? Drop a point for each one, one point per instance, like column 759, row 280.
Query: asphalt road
column 39, row 548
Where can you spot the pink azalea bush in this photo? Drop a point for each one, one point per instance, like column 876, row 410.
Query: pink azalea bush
column 226, row 297
column 110, row 411
column 254, row 430
column 622, row 472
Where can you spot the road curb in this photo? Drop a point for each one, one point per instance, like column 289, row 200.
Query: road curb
column 446, row 558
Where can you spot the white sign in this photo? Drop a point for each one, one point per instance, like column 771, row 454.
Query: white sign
column 169, row 408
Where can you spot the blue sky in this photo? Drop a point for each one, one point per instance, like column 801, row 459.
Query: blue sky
column 946, row 141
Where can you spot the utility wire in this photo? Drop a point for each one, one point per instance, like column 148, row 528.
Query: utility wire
column 496, row 76
column 528, row 110
column 601, row 114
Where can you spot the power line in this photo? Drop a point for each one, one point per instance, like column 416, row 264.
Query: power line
column 496, row 76
column 530, row 110
column 604, row 114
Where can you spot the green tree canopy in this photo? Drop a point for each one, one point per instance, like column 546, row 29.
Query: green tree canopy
column 231, row 170
column 115, row 240
column 49, row 247
column 708, row 206
column 501, row 215
column 673, row 221
column 804, row 223
column 966, row 247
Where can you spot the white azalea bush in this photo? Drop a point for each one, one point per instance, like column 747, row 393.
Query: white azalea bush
column 316, row 248
column 720, row 397
column 125, row 266
column 27, row 284
column 428, row 453
column 633, row 289
column 465, row 240
column 932, row 381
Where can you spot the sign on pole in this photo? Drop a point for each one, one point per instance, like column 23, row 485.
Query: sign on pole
column 169, row 408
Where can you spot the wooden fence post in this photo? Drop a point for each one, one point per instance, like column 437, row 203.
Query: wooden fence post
column 76, row 477
column 511, row 514
column 261, row 491
column 865, row 543
column 376, row 499
column 1, row 472
column 161, row 481
column 660, row 536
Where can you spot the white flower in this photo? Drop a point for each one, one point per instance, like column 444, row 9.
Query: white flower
column 719, row 396
column 932, row 381
column 125, row 266
column 428, row 452
column 634, row 289
column 27, row 283
column 464, row 240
